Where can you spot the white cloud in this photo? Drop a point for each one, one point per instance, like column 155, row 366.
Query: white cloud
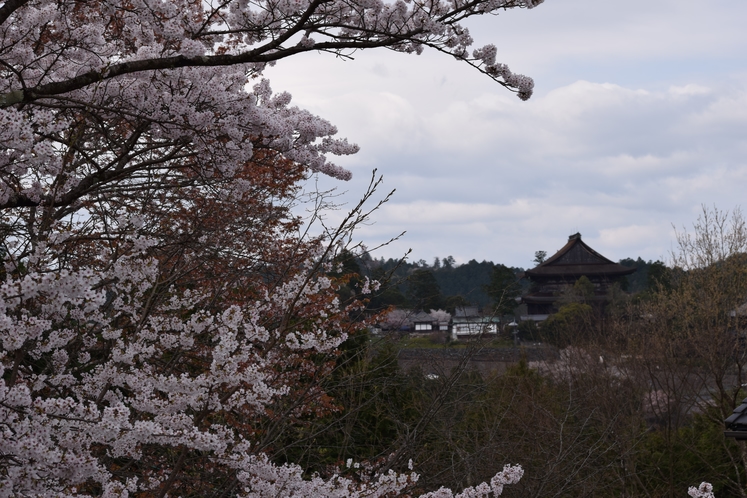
column 689, row 90
column 631, row 235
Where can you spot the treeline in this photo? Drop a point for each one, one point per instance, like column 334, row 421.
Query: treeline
column 444, row 284
column 646, row 273
column 440, row 285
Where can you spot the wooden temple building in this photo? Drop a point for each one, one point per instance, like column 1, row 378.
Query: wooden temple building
column 553, row 277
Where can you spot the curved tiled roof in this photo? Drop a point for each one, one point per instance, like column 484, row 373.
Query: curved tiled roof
column 576, row 259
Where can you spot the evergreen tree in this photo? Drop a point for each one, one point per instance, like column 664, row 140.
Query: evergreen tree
column 503, row 290
column 423, row 291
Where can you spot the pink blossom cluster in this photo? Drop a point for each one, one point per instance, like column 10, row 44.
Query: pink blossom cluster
column 511, row 474
column 112, row 395
column 50, row 439
column 705, row 490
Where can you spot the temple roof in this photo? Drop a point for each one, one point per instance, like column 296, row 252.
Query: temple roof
column 576, row 259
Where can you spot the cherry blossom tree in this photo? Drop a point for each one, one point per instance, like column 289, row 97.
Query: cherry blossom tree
column 158, row 298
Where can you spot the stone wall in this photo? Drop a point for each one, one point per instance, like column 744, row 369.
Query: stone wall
column 486, row 361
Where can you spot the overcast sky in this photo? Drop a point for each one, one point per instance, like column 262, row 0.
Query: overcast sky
column 639, row 117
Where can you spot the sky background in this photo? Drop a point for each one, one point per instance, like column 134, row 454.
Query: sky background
column 639, row 117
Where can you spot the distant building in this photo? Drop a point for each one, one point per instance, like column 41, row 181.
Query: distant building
column 416, row 323
column 422, row 322
column 552, row 277
column 430, row 322
column 469, row 323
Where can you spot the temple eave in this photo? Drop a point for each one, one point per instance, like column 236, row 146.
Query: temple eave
column 579, row 270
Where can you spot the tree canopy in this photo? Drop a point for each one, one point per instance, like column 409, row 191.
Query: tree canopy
column 162, row 311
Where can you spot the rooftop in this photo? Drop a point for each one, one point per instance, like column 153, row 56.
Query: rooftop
column 576, row 258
